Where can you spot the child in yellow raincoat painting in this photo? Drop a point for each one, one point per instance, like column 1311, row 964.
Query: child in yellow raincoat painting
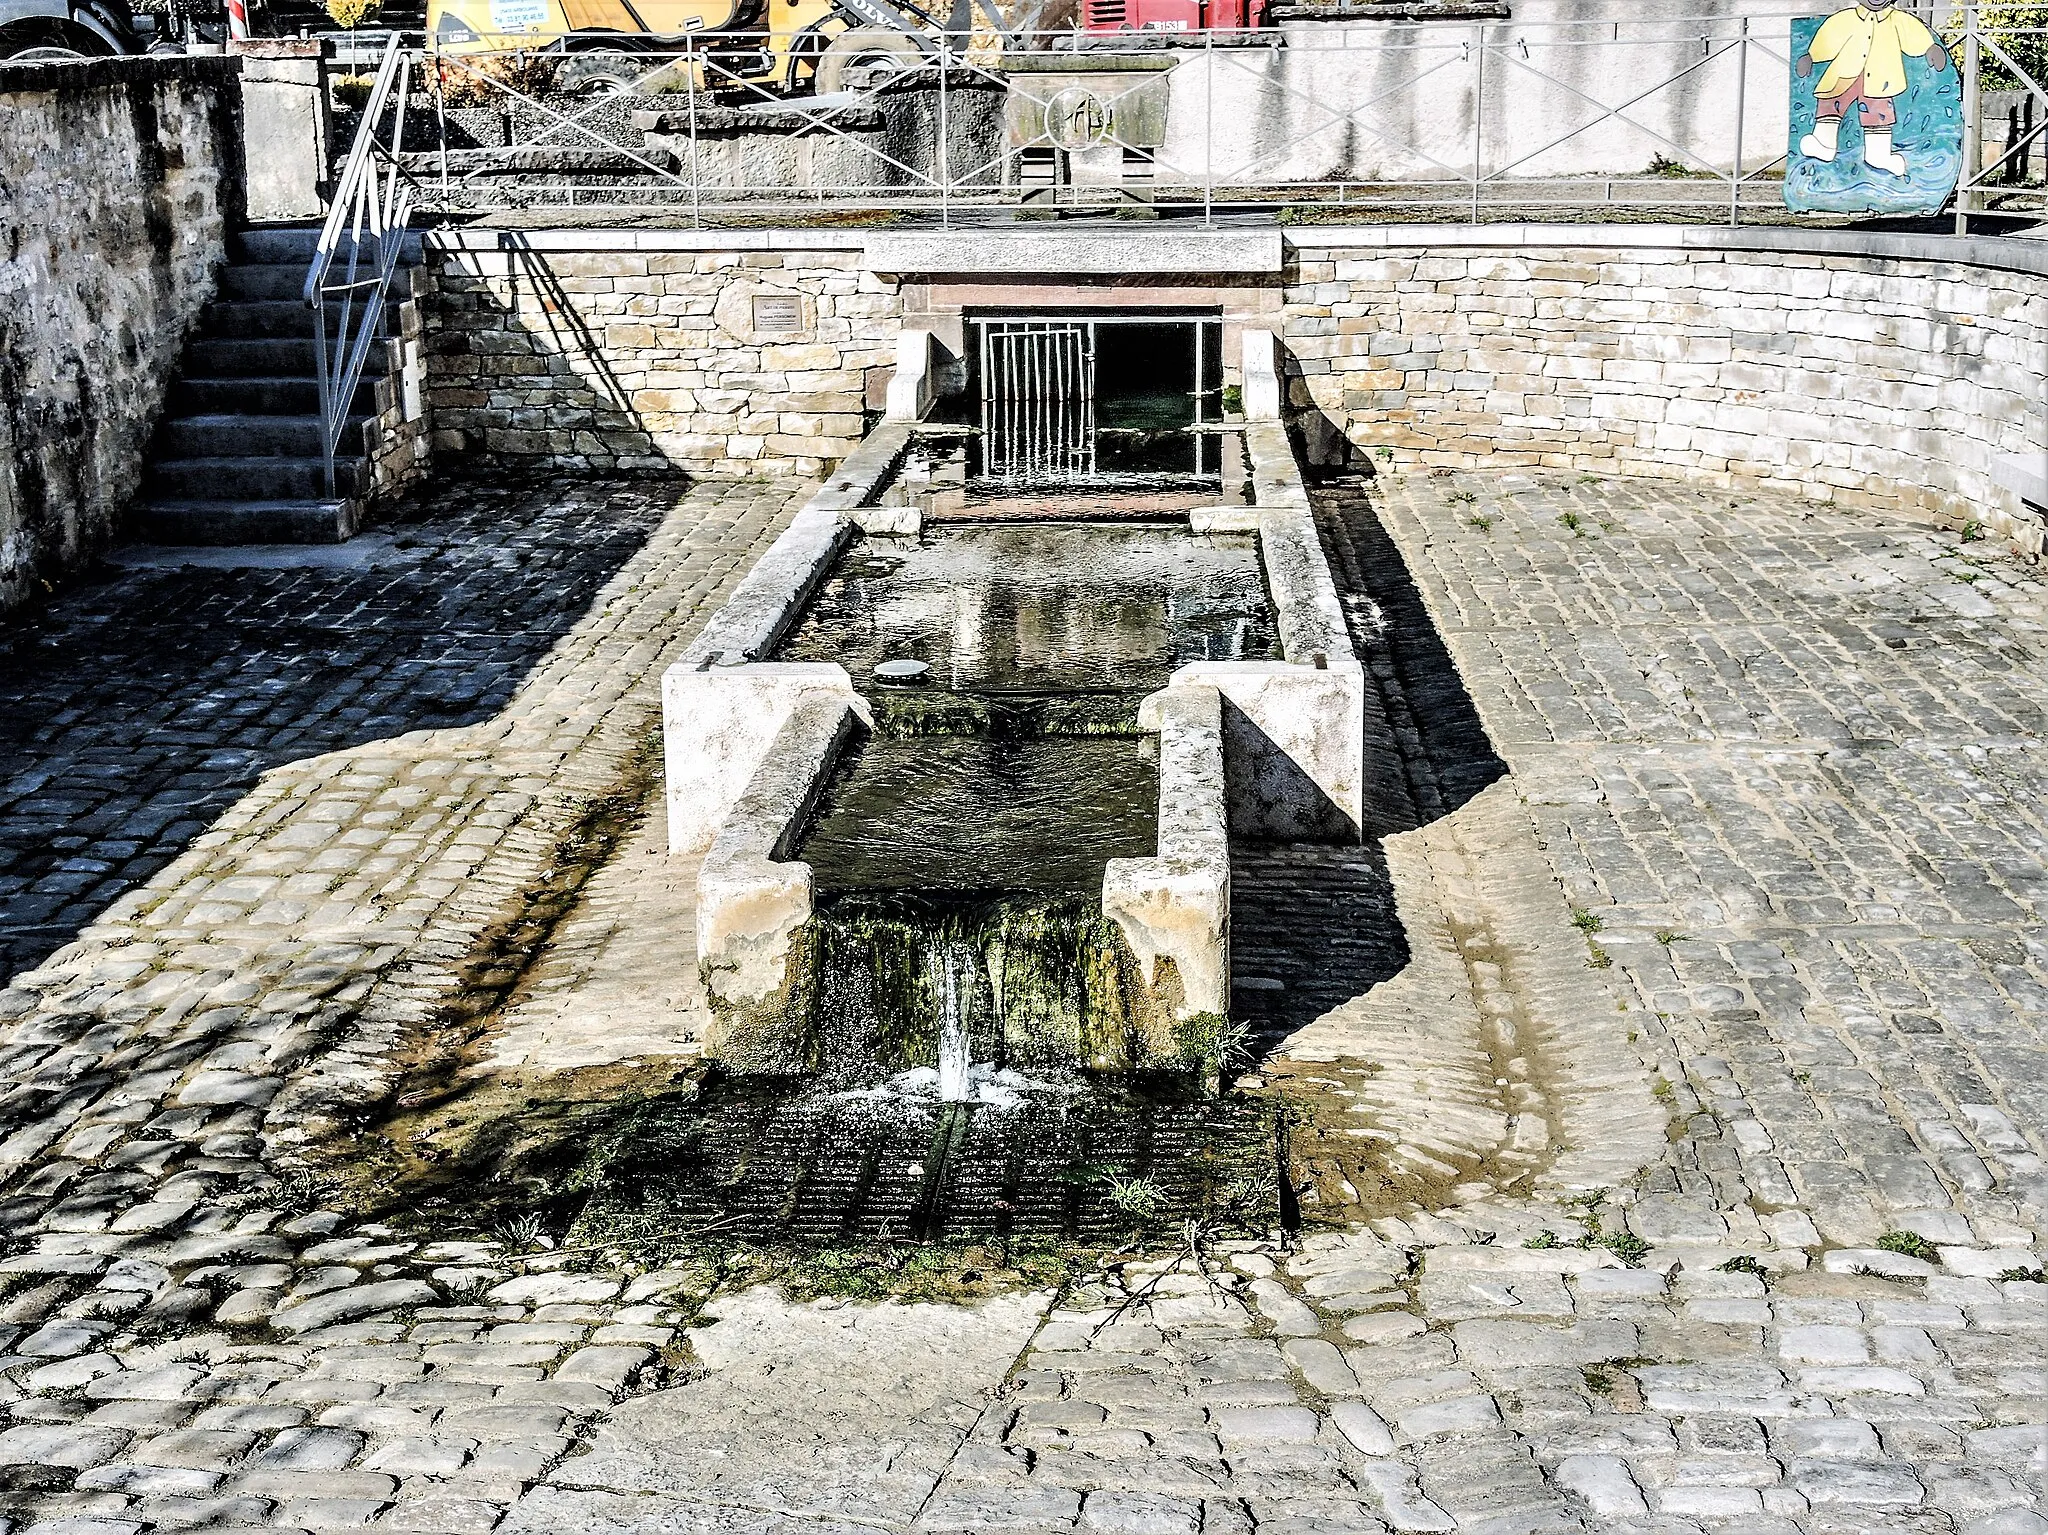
column 1865, row 49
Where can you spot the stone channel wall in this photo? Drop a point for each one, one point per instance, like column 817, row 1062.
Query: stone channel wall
column 1871, row 380
column 119, row 181
column 725, row 363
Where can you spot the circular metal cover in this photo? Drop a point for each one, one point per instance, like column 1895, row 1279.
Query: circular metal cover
column 1077, row 118
column 901, row 673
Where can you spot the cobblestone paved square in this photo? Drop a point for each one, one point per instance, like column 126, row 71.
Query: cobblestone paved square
column 1676, row 1083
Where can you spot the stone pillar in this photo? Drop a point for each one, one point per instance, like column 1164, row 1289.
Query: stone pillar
column 286, row 128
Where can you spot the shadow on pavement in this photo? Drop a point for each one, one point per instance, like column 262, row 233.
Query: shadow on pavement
column 139, row 706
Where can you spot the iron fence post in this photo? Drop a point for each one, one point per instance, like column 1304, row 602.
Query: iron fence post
column 1478, row 112
column 1209, row 126
column 1741, row 120
column 945, row 134
column 1973, row 123
column 696, row 173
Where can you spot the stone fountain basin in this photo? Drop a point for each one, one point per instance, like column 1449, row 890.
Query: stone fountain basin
column 1269, row 748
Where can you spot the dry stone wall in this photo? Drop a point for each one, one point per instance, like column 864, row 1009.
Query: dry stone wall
column 1867, row 380
column 725, row 363
column 119, row 179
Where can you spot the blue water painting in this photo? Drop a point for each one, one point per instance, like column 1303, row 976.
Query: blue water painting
column 1929, row 137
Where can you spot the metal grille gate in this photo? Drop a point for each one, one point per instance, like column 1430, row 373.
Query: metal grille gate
column 1038, row 399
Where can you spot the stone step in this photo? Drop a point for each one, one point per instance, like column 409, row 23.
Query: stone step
column 259, row 397
column 264, row 357
column 295, row 243
column 264, row 279
column 309, row 521
column 262, row 318
column 274, row 478
column 237, row 435
column 277, row 243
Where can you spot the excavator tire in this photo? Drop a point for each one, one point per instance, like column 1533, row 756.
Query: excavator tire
column 880, row 49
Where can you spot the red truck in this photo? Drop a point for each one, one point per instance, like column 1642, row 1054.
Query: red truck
column 1171, row 15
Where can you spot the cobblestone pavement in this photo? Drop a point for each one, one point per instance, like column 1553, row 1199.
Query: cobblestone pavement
column 146, row 704
column 1734, row 971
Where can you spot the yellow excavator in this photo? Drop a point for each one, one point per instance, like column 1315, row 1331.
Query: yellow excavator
column 780, row 45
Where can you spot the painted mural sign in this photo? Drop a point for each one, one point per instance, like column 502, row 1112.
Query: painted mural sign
column 1877, row 114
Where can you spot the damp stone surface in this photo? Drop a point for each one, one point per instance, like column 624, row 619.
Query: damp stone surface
column 1668, row 1097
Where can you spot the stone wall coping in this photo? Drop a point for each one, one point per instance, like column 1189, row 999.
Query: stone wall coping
column 1126, row 250
column 77, row 75
column 1117, row 251
column 1998, row 252
column 485, row 237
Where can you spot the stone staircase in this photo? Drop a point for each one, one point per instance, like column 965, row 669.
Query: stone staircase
column 236, row 458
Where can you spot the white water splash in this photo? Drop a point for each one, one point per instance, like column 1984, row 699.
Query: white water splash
column 955, row 982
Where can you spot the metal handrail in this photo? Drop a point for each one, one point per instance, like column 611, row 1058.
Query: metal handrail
column 373, row 204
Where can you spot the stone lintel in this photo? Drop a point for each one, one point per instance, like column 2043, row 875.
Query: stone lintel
column 1111, row 252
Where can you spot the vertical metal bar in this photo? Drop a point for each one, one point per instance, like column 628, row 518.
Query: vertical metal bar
column 1209, row 127
column 441, row 112
column 1200, row 379
column 1973, row 122
column 945, row 134
column 1741, row 116
column 696, row 175
column 1478, row 115
column 1086, row 425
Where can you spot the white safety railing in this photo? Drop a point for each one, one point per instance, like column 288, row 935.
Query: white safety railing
column 359, row 249
column 1670, row 116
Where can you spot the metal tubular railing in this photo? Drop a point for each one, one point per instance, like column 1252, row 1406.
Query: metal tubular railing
column 371, row 212
column 1662, row 115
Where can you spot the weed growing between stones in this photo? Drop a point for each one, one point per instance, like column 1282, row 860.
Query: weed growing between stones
column 1909, row 1244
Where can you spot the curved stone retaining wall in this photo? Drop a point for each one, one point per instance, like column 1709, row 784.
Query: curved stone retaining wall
column 1857, row 368
column 1869, row 369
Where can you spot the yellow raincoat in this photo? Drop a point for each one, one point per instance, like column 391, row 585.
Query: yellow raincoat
column 1874, row 44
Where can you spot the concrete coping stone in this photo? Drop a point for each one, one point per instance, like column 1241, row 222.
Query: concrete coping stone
column 752, row 898
column 1176, row 905
column 771, row 595
column 1993, row 251
column 1233, row 252
column 1176, row 253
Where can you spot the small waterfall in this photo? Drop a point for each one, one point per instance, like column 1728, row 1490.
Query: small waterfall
column 955, row 962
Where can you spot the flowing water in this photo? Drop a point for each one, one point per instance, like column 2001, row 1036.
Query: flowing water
column 958, row 853
column 971, row 1024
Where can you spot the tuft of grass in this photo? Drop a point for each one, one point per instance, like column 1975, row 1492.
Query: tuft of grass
column 1663, row 1091
column 1586, row 921
column 1597, row 957
column 1670, row 935
column 1627, row 1246
column 1140, row 1198
column 1972, row 531
column 1543, row 1241
column 2024, row 1275
column 1482, row 522
column 1462, row 497
column 1909, row 1244
column 1743, row 1263
column 522, row 1233
column 1574, row 522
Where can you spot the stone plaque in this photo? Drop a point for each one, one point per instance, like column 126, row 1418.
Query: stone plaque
column 778, row 312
